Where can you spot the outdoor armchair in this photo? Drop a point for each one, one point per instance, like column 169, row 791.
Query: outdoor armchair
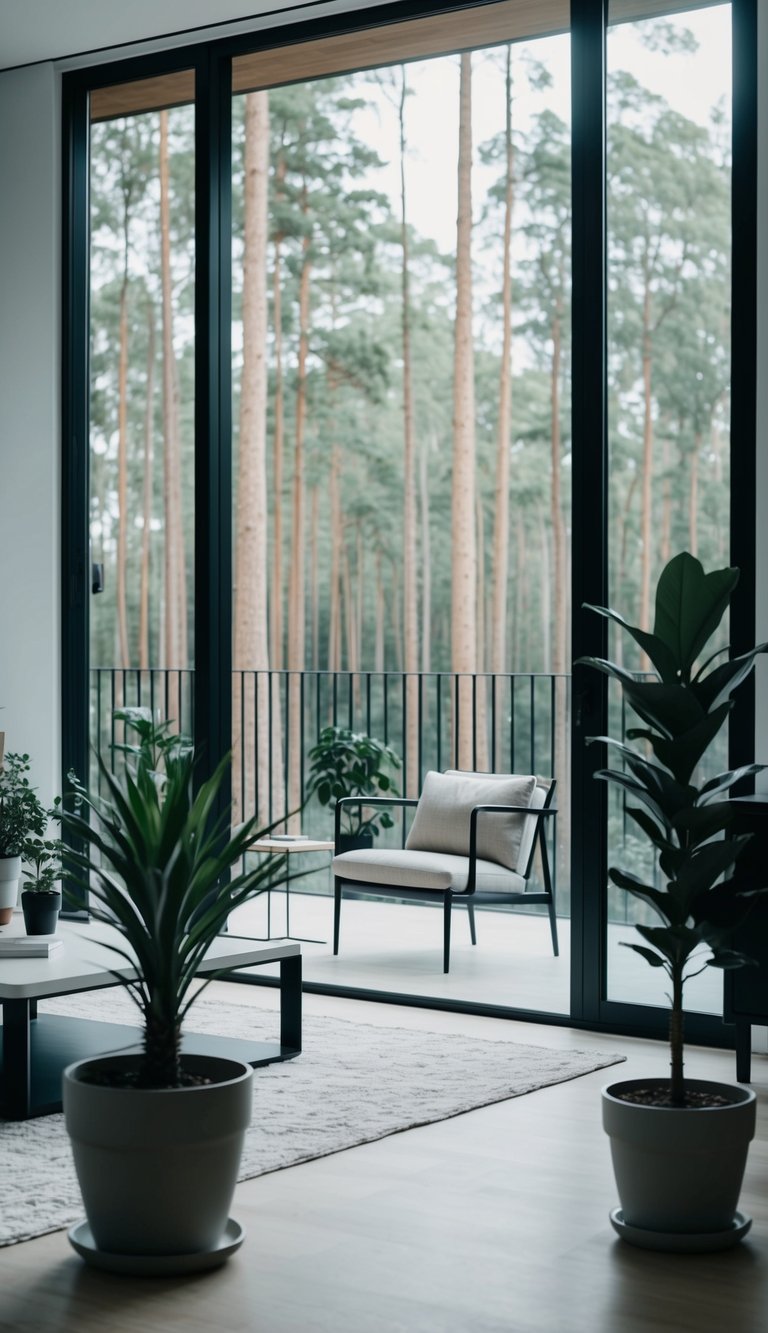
column 472, row 840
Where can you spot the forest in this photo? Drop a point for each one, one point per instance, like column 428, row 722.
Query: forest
column 401, row 383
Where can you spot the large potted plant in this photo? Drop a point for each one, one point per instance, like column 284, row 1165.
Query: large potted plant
column 679, row 1145
column 349, row 763
column 21, row 815
column 157, row 1136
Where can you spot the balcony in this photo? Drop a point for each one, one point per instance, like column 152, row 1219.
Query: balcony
column 518, row 722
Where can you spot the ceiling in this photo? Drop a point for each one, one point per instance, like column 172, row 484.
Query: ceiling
column 36, row 30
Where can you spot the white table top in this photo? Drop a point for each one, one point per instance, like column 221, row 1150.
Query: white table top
column 301, row 845
column 85, row 962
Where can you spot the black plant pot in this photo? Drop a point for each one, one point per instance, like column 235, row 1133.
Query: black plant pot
column 41, row 912
column 355, row 842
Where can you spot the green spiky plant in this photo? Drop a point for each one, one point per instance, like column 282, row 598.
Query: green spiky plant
column 155, row 859
column 682, row 708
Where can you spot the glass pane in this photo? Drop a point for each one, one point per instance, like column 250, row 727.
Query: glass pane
column 142, row 361
column 669, row 229
column 402, row 464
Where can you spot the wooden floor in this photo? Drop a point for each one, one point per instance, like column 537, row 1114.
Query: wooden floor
column 495, row 1220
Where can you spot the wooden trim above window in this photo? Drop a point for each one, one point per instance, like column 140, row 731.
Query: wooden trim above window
column 129, row 99
column 413, row 39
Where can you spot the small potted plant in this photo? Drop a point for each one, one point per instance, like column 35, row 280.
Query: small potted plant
column 21, row 814
column 40, row 888
column 157, row 1135
column 348, row 763
column 679, row 1145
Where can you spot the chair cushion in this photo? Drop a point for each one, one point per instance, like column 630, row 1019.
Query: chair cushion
column 442, row 819
column 392, row 868
column 538, row 800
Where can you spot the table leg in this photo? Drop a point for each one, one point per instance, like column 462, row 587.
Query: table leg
column 17, row 1072
column 290, row 1002
column 743, row 1050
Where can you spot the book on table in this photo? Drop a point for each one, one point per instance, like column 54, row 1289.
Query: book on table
column 29, row 946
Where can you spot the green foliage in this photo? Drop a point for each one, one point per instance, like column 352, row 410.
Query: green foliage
column 683, row 709
column 42, row 864
column 21, row 812
column 156, row 860
column 347, row 763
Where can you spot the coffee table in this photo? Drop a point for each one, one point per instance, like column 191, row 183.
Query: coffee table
column 37, row 1047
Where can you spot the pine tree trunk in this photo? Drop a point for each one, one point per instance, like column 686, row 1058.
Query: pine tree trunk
column 500, row 591
column 378, row 655
column 175, row 563
column 148, row 462
column 665, row 545
column 314, row 592
column 410, row 562
column 464, row 555
column 296, row 594
column 122, row 474
column 426, row 564
column 482, row 752
column 647, row 470
column 334, row 618
column 693, row 497
column 251, row 740
column 278, row 444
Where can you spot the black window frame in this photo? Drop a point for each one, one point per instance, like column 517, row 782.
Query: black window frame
column 212, row 65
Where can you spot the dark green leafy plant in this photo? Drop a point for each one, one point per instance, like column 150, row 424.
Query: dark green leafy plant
column 682, row 709
column 348, row 763
column 21, row 812
column 41, row 865
column 155, row 860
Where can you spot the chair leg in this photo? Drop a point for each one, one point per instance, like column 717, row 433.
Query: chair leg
column 471, row 915
column 550, row 890
column 336, row 912
column 447, row 933
column 553, row 927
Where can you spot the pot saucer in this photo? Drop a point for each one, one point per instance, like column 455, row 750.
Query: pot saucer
column 681, row 1242
column 155, row 1265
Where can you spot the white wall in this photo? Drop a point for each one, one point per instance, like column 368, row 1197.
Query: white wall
column 29, row 418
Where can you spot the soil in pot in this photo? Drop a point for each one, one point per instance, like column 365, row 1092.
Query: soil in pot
column 41, row 912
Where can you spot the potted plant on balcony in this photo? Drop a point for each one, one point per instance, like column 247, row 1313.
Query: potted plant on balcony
column 348, row 763
column 157, row 1136
column 40, row 886
column 21, row 814
column 679, row 1145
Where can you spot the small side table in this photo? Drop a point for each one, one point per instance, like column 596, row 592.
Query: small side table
column 274, row 847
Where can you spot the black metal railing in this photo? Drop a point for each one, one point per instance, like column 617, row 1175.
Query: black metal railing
column 512, row 722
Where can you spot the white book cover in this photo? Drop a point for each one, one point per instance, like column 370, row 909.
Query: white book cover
column 29, row 946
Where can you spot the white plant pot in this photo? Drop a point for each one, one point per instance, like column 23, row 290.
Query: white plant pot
column 10, row 874
column 157, row 1167
column 679, row 1170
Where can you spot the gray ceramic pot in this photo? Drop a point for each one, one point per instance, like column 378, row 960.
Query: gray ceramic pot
column 157, row 1167
column 679, row 1170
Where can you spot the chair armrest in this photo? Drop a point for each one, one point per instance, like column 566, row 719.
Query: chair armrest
column 534, row 812
column 366, row 800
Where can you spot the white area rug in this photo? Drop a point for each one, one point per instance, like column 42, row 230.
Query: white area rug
column 353, row 1083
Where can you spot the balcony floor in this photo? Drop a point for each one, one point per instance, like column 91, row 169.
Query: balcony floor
column 387, row 946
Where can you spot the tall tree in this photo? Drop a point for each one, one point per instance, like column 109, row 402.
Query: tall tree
column 251, row 637
column 464, row 562
column 175, row 645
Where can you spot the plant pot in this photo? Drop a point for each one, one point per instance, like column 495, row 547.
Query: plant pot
column 355, row 842
column 679, row 1170
column 41, row 912
column 10, row 873
column 157, row 1167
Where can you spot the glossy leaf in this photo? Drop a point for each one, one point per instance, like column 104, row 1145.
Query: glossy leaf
column 689, row 607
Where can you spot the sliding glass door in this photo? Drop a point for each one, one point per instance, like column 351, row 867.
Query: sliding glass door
column 385, row 349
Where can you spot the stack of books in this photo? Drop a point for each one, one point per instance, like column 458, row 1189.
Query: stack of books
column 29, row 946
